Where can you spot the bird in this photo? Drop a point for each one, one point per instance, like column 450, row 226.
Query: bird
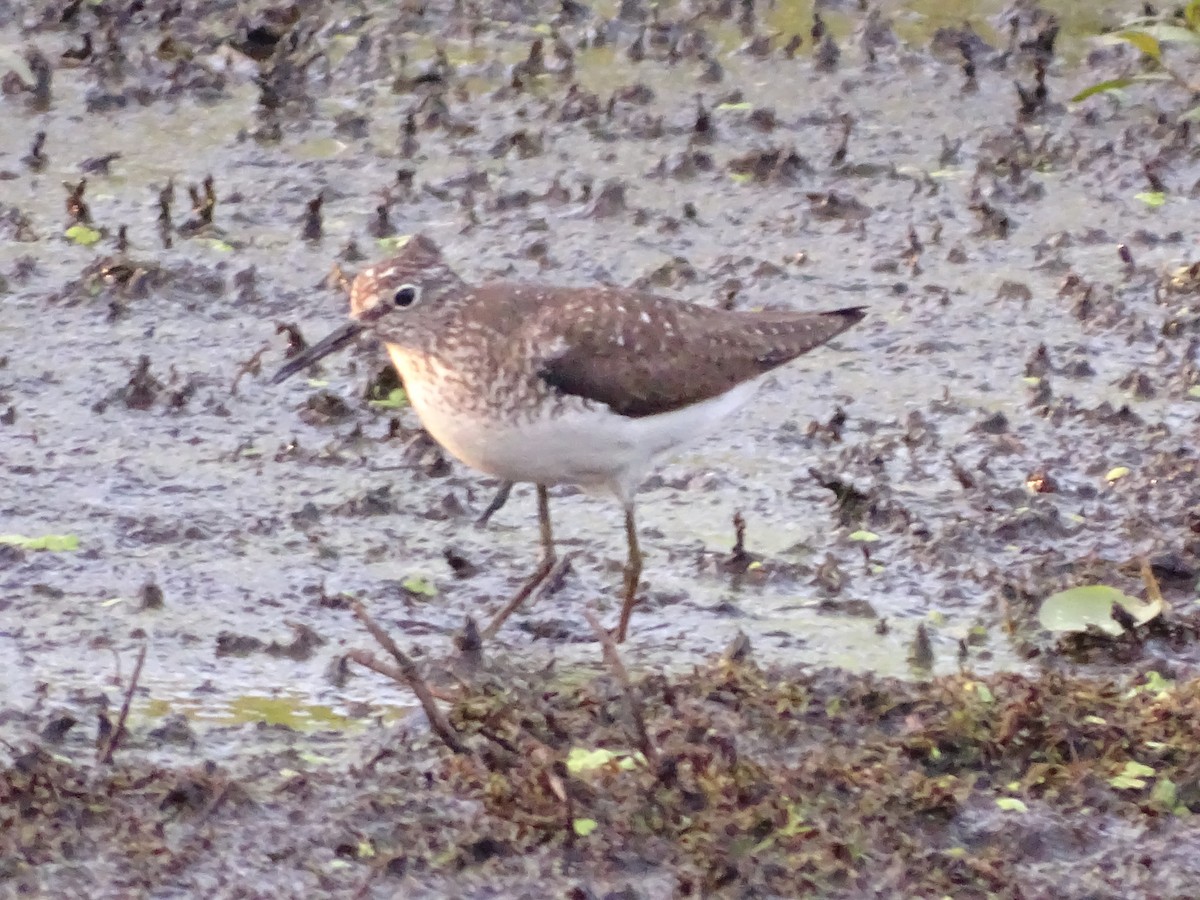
column 551, row 384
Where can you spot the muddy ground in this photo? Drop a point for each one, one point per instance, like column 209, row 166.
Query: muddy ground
column 183, row 186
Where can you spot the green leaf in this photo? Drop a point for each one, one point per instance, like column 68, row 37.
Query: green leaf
column 1152, row 199
column 394, row 241
column 866, row 537
column 1194, row 391
column 1139, row 38
column 584, row 827
column 1191, row 15
column 1165, row 793
column 1132, row 776
column 416, row 584
column 945, row 173
column 580, row 760
column 1155, row 683
column 1116, row 473
column 314, row 759
column 1115, row 84
column 396, row 399
column 1011, row 804
column 984, row 692
column 1161, row 31
column 1100, row 87
column 55, row 543
column 794, row 826
column 1077, row 608
column 83, row 235
column 736, row 106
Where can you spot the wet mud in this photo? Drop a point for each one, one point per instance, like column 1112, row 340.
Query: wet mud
column 184, row 193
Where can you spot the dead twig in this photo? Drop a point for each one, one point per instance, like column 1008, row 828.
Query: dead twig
column 252, row 366
column 387, row 670
column 105, row 755
column 613, row 659
column 408, row 674
column 1153, row 591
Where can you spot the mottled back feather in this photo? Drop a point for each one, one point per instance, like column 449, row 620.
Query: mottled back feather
column 648, row 355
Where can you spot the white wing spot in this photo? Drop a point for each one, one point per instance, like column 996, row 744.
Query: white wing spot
column 646, row 317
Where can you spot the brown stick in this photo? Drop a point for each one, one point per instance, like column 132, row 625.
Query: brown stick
column 408, row 674
column 110, row 746
column 1153, row 591
column 613, row 659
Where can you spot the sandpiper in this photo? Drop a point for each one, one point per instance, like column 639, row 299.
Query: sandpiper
column 564, row 385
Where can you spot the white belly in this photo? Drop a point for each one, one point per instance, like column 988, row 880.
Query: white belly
column 585, row 444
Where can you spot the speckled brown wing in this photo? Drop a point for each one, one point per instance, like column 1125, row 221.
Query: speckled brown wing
column 643, row 355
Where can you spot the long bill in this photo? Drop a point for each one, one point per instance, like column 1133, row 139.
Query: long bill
column 329, row 344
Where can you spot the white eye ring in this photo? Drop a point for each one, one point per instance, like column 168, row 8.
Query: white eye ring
column 406, row 295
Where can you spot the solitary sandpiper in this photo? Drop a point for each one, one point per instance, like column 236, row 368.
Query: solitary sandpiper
column 564, row 385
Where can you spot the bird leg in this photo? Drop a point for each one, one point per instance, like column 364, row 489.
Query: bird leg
column 545, row 567
column 633, row 574
column 498, row 501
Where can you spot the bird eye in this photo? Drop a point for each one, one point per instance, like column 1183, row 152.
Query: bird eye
column 406, row 295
